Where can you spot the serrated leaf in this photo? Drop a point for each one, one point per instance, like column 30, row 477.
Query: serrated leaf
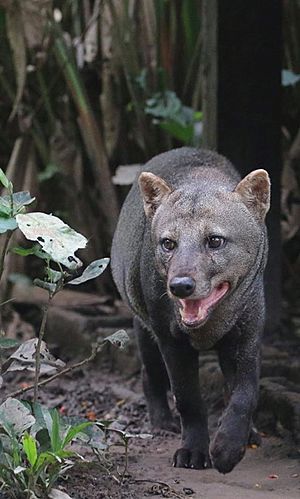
column 92, row 271
column 7, row 224
column 29, row 446
column 16, row 415
column 54, row 236
column 3, row 179
column 118, row 339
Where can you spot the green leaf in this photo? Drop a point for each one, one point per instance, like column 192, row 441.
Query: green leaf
column 56, row 442
column 92, row 271
column 184, row 133
column 29, row 445
column 54, row 275
column 56, row 238
column 3, row 179
column 34, row 250
column 73, row 431
column 8, row 343
column 20, row 200
column 50, row 171
column 7, row 224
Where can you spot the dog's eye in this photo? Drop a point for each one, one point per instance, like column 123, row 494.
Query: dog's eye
column 215, row 242
column 168, row 244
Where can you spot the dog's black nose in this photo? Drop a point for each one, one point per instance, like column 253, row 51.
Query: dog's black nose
column 182, row 287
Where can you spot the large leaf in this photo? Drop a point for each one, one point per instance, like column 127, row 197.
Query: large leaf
column 92, row 271
column 16, row 415
column 54, row 236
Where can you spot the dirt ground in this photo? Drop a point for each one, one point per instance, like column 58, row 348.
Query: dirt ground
column 268, row 472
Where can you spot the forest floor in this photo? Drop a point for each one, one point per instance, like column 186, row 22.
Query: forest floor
column 267, row 472
column 110, row 389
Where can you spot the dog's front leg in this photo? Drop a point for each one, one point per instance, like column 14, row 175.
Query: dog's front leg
column 183, row 369
column 229, row 444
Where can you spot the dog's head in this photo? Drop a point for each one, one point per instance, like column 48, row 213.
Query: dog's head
column 207, row 239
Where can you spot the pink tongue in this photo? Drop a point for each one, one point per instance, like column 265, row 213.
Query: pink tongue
column 196, row 310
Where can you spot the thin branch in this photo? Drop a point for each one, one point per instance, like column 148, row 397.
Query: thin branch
column 95, row 350
column 38, row 349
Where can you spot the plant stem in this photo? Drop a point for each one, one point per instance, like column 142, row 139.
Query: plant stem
column 4, row 251
column 38, row 349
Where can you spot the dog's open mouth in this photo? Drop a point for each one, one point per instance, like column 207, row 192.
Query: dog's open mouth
column 195, row 312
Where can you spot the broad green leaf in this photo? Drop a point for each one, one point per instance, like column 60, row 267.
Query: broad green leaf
column 55, row 237
column 92, row 271
column 8, row 343
column 7, row 224
column 29, row 445
column 118, row 339
column 3, row 179
column 14, row 413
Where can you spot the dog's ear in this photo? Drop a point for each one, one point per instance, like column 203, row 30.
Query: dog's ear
column 254, row 190
column 153, row 189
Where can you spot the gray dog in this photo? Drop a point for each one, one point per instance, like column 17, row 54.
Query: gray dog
column 188, row 257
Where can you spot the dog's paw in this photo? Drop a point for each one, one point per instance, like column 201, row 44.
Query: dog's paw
column 191, row 458
column 226, row 452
